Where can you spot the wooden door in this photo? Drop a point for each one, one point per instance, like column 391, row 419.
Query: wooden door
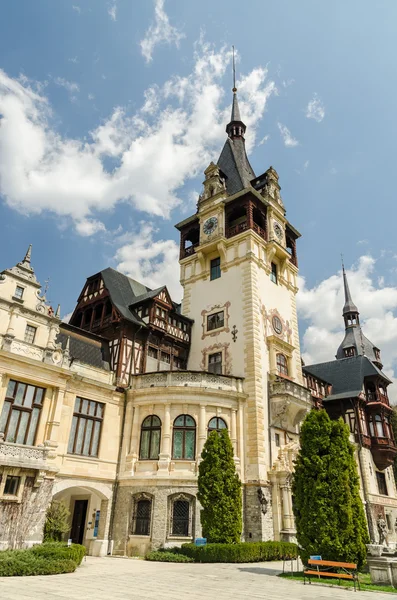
column 78, row 521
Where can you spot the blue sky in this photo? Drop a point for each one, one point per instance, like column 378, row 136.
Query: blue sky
column 112, row 109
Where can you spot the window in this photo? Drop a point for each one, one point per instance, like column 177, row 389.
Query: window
column 216, row 424
column 184, row 440
column 273, row 273
column 215, row 321
column 150, row 438
column 215, row 363
column 215, row 271
column 382, row 485
column 277, row 439
column 165, row 357
column 152, row 352
column 21, row 411
column 282, row 364
column 30, row 334
column 350, row 351
column 143, row 511
column 86, row 427
column 379, row 426
column 12, row 485
column 389, row 522
column 19, row 292
column 180, row 518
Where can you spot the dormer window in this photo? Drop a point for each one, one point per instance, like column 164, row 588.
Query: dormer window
column 30, row 334
column 19, row 292
column 350, row 351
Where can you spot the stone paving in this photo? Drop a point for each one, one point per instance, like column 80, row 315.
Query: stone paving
column 119, row 578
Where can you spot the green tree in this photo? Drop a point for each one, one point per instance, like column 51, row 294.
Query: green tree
column 394, row 426
column 328, row 510
column 219, row 490
column 57, row 522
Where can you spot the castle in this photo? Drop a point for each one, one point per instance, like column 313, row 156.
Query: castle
column 110, row 412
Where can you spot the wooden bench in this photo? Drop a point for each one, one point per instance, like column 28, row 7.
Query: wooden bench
column 331, row 568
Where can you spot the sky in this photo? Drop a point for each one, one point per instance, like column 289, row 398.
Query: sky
column 110, row 110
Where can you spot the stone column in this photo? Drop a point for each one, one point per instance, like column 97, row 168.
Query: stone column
column 165, row 453
column 241, row 448
column 134, row 440
column 276, row 506
column 99, row 546
column 202, row 435
column 54, row 416
column 286, row 493
column 4, row 379
column 127, row 435
column 12, row 322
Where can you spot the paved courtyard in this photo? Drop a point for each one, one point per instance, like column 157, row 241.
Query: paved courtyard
column 118, row 578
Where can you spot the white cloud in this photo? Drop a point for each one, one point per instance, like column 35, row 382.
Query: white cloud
column 175, row 135
column 160, row 32
column 264, row 140
column 154, row 263
column 306, row 165
column 91, row 97
column 66, row 318
column 112, row 11
column 288, row 139
column 70, row 86
column 76, row 9
column 321, row 307
column 87, row 227
column 73, row 60
column 315, row 109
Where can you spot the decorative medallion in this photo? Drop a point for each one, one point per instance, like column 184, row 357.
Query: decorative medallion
column 277, row 230
column 277, row 325
column 210, row 225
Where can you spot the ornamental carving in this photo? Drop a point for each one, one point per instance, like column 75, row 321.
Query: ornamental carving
column 224, row 348
column 274, row 324
column 27, row 350
column 211, row 310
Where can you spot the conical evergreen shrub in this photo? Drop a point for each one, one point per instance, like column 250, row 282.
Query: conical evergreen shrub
column 219, row 491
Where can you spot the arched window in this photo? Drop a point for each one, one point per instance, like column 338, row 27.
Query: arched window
column 142, row 516
column 150, row 438
column 282, row 364
column 184, row 440
column 216, row 424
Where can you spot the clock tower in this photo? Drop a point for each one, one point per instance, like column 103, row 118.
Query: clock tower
column 239, row 274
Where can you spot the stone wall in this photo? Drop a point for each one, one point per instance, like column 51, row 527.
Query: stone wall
column 21, row 524
column 257, row 513
column 127, row 544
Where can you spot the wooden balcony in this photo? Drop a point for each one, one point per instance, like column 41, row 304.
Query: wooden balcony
column 383, row 451
column 376, row 398
column 233, row 230
column 189, row 251
column 170, row 329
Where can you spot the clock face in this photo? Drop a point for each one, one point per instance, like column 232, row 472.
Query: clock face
column 277, row 325
column 278, row 231
column 210, row 225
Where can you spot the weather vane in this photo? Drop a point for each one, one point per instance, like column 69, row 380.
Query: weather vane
column 234, row 73
column 47, row 283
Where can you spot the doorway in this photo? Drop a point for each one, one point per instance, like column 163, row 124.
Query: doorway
column 78, row 521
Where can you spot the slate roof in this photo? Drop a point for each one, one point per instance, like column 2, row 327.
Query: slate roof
column 234, row 163
column 85, row 347
column 349, row 306
column 345, row 375
column 355, row 338
column 123, row 292
column 147, row 296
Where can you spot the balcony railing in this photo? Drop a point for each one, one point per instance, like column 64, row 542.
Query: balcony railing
column 171, row 329
column 377, row 397
column 289, row 403
column 19, row 455
column 187, row 379
column 189, row 250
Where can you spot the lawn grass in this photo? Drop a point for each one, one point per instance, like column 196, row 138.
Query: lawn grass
column 364, row 578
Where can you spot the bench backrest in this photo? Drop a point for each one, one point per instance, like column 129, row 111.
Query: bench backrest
column 331, row 563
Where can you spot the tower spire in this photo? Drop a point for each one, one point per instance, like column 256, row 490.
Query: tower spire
column 349, row 306
column 236, row 128
column 28, row 255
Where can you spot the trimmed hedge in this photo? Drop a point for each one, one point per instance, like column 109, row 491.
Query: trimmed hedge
column 168, row 557
column 44, row 559
column 243, row 552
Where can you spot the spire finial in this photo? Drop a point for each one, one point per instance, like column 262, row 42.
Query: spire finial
column 234, row 73
column 28, row 255
column 349, row 306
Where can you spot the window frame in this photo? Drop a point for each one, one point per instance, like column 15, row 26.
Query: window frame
column 28, row 331
column 18, row 487
column 19, row 287
column 215, row 269
column 148, row 519
column 85, row 417
column 382, row 487
column 22, row 408
column 282, row 369
column 217, row 428
column 151, row 428
column 216, row 326
column 215, row 372
column 184, row 428
column 274, row 273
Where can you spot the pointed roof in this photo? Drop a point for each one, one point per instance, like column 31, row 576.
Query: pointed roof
column 349, row 306
column 233, row 160
column 24, row 269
